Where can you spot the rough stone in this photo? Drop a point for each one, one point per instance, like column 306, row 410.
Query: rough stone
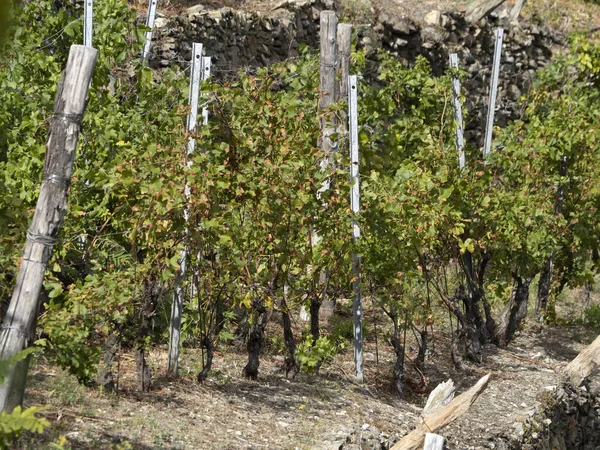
column 236, row 39
column 434, row 18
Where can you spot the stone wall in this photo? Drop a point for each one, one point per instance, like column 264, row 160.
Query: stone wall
column 567, row 419
column 239, row 39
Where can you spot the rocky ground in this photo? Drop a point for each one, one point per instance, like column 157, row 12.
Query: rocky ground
column 325, row 411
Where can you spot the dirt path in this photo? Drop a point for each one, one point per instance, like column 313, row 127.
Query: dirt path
column 309, row 412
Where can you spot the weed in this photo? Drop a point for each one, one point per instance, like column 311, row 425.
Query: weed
column 67, row 390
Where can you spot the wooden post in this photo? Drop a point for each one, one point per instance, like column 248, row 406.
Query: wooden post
column 150, row 24
column 439, row 419
column 515, row 12
column 355, row 206
column 586, row 363
column 480, row 9
column 20, row 321
column 328, row 86
column 88, row 22
column 344, row 39
column 458, row 118
column 433, row 442
column 177, row 306
column 489, row 126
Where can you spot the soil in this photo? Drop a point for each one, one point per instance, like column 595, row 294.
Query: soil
column 323, row 411
column 320, row 411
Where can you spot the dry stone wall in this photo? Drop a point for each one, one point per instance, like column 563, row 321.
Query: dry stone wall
column 237, row 40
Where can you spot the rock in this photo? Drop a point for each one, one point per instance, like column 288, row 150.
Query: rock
column 160, row 22
column 433, row 18
column 194, row 10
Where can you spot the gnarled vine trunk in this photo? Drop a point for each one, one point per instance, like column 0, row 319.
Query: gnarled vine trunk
column 207, row 343
column 106, row 377
column 153, row 290
column 255, row 339
column 399, row 351
column 290, row 365
column 514, row 312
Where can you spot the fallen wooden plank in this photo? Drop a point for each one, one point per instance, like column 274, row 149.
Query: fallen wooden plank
column 439, row 419
column 586, row 363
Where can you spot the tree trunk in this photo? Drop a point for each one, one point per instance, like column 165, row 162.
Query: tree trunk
column 420, row 361
column 513, row 313
column 288, row 339
column 255, row 339
column 106, row 378
column 546, row 275
column 458, row 350
column 207, row 343
column 544, row 289
column 219, row 315
column 19, row 324
column 153, row 290
column 315, row 307
column 399, row 364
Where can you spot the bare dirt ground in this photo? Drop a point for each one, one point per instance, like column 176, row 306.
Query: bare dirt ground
column 309, row 412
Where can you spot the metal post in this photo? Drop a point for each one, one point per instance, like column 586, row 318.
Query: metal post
column 458, row 118
column 150, row 24
column 489, row 126
column 177, row 306
column 205, row 76
column 355, row 207
column 88, row 22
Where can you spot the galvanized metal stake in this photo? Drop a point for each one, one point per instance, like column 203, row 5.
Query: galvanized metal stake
column 458, row 118
column 88, row 22
column 355, row 207
column 489, row 126
column 205, row 76
column 150, row 24
column 177, row 306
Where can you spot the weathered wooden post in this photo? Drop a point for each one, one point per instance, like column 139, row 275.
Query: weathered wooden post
column 355, row 206
column 329, row 94
column 479, row 9
column 177, row 305
column 328, row 86
column 442, row 417
column 88, row 22
column 20, row 321
column 458, row 118
column 344, row 40
column 515, row 12
column 489, row 126
column 148, row 34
